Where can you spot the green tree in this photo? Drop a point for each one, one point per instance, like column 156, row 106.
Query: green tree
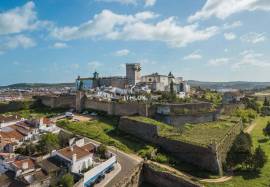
column 259, row 158
column 102, row 150
column 266, row 130
column 64, row 138
column 48, row 142
column 241, row 151
column 266, row 102
column 66, row 180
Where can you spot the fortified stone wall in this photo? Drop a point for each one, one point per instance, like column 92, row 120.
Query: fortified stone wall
column 141, row 130
column 160, row 178
column 14, row 106
column 179, row 120
column 225, row 145
column 203, row 157
column 58, row 101
column 178, row 109
column 119, row 109
column 209, row 158
column 132, row 179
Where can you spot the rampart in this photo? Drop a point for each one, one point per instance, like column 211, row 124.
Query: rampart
column 179, row 120
column 65, row 101
column 208, row 157
column 118, row 109
column 159, row 177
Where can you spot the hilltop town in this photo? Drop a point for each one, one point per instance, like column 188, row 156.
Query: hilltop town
column 136, row 130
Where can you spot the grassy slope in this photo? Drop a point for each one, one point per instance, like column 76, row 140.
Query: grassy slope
column 104, row 130
column 253, row 179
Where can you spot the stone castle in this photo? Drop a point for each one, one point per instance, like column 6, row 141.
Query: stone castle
column 155, row 81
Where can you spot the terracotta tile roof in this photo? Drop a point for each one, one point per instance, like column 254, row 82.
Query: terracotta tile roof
column 11, row 134
column 19, row 164
column 89, row 147
column 80, row 152
column 46, row 121
column 22, row 128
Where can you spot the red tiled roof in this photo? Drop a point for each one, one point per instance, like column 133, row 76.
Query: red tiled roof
column 80, row 152
column 46, row 121
column 19, row 163
column 89, row 147
column 11, row 134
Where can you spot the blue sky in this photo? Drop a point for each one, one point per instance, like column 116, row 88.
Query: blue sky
column 207, row 40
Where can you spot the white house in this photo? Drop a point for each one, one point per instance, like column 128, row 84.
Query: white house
column 79, row 155
column 46, row 125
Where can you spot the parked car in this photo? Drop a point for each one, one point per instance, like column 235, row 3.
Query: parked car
column 69, row 115
column 85, row 113
column 99, row 179
column 110, row 169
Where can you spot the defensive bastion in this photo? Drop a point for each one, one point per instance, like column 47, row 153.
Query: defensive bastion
column 208, row 154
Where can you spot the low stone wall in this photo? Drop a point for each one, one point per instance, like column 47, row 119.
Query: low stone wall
column 179, row 120
column 160, row 178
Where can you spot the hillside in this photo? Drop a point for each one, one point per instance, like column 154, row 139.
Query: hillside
column 235, row 85
column 38, row 85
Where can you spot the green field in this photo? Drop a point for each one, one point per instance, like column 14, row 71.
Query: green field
column 199, row 134
column 253, row 179
column 105, row 131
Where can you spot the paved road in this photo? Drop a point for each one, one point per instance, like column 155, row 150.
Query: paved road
column 127, row 161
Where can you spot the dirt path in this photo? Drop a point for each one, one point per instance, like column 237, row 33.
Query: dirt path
column 250, row 128
column 217, row 180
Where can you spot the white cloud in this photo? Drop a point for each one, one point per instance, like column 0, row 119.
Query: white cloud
column 229, row 36
column 149, row 3
column 251, row 58
column 244, row 59
column 253, row 37
column 112, row 26
column 232, row 25
column 123, row 52
column 225, row 8
column 18, row 19
column 193, row 56
column 8, row 43
column 60, row 45
column 218, row 61
column 125, row 2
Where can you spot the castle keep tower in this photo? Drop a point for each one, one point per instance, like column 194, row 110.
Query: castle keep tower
column 133, row 73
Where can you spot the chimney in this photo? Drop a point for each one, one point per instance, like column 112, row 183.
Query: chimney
column 25, row 165
column 74, row 158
